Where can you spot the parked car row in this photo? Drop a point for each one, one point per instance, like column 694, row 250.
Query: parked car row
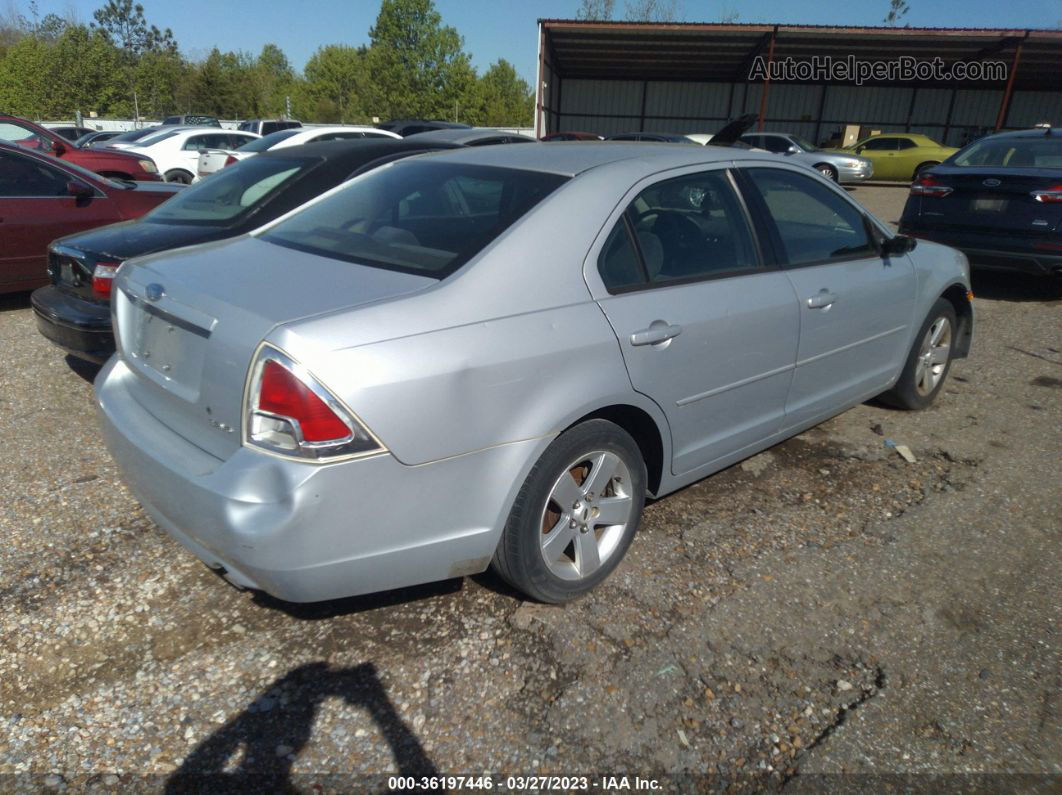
column 319, row 327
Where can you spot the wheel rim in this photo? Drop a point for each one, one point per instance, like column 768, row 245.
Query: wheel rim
column 826, row 171
column 933, row 356
column 586, row 515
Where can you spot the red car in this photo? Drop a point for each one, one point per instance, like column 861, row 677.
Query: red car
column 42, row 198
column 118, row 165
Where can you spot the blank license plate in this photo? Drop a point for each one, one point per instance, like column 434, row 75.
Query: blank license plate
column 989, row 205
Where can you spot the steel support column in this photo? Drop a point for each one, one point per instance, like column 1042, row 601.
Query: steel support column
column 767, row 79
column 1004, row 106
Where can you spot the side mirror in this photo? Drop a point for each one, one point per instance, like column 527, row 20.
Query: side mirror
column 57, row 148
column 79, row 189
column 898, row 245
column 859, row 149
column 792, row 150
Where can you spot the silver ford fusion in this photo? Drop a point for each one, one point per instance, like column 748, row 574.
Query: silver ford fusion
column 489, row 357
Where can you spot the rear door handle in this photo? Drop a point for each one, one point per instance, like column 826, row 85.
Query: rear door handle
column 658, row 332
column 824, row 299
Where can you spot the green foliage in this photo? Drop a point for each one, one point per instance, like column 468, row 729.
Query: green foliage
column 415, row 66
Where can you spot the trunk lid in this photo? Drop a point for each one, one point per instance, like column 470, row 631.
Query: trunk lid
column 188, row 324
column 992, row 200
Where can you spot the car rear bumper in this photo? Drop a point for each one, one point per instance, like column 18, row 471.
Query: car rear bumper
column 79, row 327
column 994, row 252
column 306, row 532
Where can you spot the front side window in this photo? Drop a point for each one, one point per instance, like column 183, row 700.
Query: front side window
column 814, row 223
column 776, row 144
column 688, row 228
column 421, row 217
column 24, row 176
column 230, row 194
column 880, row 145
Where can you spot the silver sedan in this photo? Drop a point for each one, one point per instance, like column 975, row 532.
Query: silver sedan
column 841, row 168
column 491, row 356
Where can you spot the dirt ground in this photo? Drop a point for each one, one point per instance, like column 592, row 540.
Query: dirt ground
column 821, row 612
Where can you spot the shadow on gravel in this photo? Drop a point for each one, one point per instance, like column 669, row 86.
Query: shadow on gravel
column 10, row 302
column 1000, row 286
column 318, row 611
column 86, row 370
column 255, row 750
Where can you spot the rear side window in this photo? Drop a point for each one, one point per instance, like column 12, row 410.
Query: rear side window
column 881, row 144
column 420, row 217
column 231, row 193
column 814, row 224
column 1038, row 152
column 905, row 143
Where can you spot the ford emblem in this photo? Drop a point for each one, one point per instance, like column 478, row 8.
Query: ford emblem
column 154, row 292
column 991, row 182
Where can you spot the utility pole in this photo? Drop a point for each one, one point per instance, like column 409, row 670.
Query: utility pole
column 287, row 107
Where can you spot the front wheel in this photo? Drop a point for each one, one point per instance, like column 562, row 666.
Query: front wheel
column 575, row 515
column 827, row 171
column 928, row 362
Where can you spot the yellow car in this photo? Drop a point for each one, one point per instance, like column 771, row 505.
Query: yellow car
column 899, row 156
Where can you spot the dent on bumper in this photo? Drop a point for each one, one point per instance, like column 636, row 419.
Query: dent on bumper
column 306, row 532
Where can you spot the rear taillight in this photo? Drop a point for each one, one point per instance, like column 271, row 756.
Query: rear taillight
column 289, row 412
column 230, row 160
column 103, row 278
column 1052, row 195
column 929, row 185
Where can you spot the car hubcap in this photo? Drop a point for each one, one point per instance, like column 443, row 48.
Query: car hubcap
column 933, row 356
column 586, row 515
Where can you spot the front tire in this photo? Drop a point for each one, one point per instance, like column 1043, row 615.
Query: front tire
column 575, row 515
column 928, row 362
column 827, row 171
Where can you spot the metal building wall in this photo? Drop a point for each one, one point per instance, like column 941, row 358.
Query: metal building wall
column 947, row 115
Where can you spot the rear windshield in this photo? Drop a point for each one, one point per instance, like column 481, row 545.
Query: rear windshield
column 232, row 193
column 425, row 216
column 1008, row 152
column 268, row 141
column 135, row 135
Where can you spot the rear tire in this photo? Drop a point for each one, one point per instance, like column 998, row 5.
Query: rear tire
column 923, row 167
column 827, row 171
column 575, row 515
column 928, row 362
column 179, row 175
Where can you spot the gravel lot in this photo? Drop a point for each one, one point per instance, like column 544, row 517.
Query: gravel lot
column 822, row 608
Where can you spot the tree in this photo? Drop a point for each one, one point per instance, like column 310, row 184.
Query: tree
column 897, row 9
column 416, row 66
column 504, row 98
column 334, row 85
column 596, row 9
column 274, row 79
column 652, row 10
column 124, row 23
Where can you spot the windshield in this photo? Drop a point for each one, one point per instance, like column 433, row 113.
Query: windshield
column 267, row 141
column 804, row 144
column 1024, row 152
column 424, row 216
column 232, row 193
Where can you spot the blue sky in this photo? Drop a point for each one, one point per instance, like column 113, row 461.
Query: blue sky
column 506, row 28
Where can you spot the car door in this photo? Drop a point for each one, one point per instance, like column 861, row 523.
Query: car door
column 707, row 329
column 855, row 305
column 883, row 153
column 36, row 208
column 909, row 156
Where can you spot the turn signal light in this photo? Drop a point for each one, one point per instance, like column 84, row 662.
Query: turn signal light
column 103, row 278
column 285, row 395
column 930, row 186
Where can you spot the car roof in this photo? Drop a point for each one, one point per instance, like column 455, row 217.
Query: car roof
column 352, row 153
column 569, row 158
column 1035, row 132
column 467, row 135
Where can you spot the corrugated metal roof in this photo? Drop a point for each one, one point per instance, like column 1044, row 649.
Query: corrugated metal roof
column 725, row 52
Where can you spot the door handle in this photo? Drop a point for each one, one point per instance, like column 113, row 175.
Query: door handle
column 658, row 332
column 824, row 299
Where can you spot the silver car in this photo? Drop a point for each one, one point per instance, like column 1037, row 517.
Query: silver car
column 491, row 356
column 838, row 167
